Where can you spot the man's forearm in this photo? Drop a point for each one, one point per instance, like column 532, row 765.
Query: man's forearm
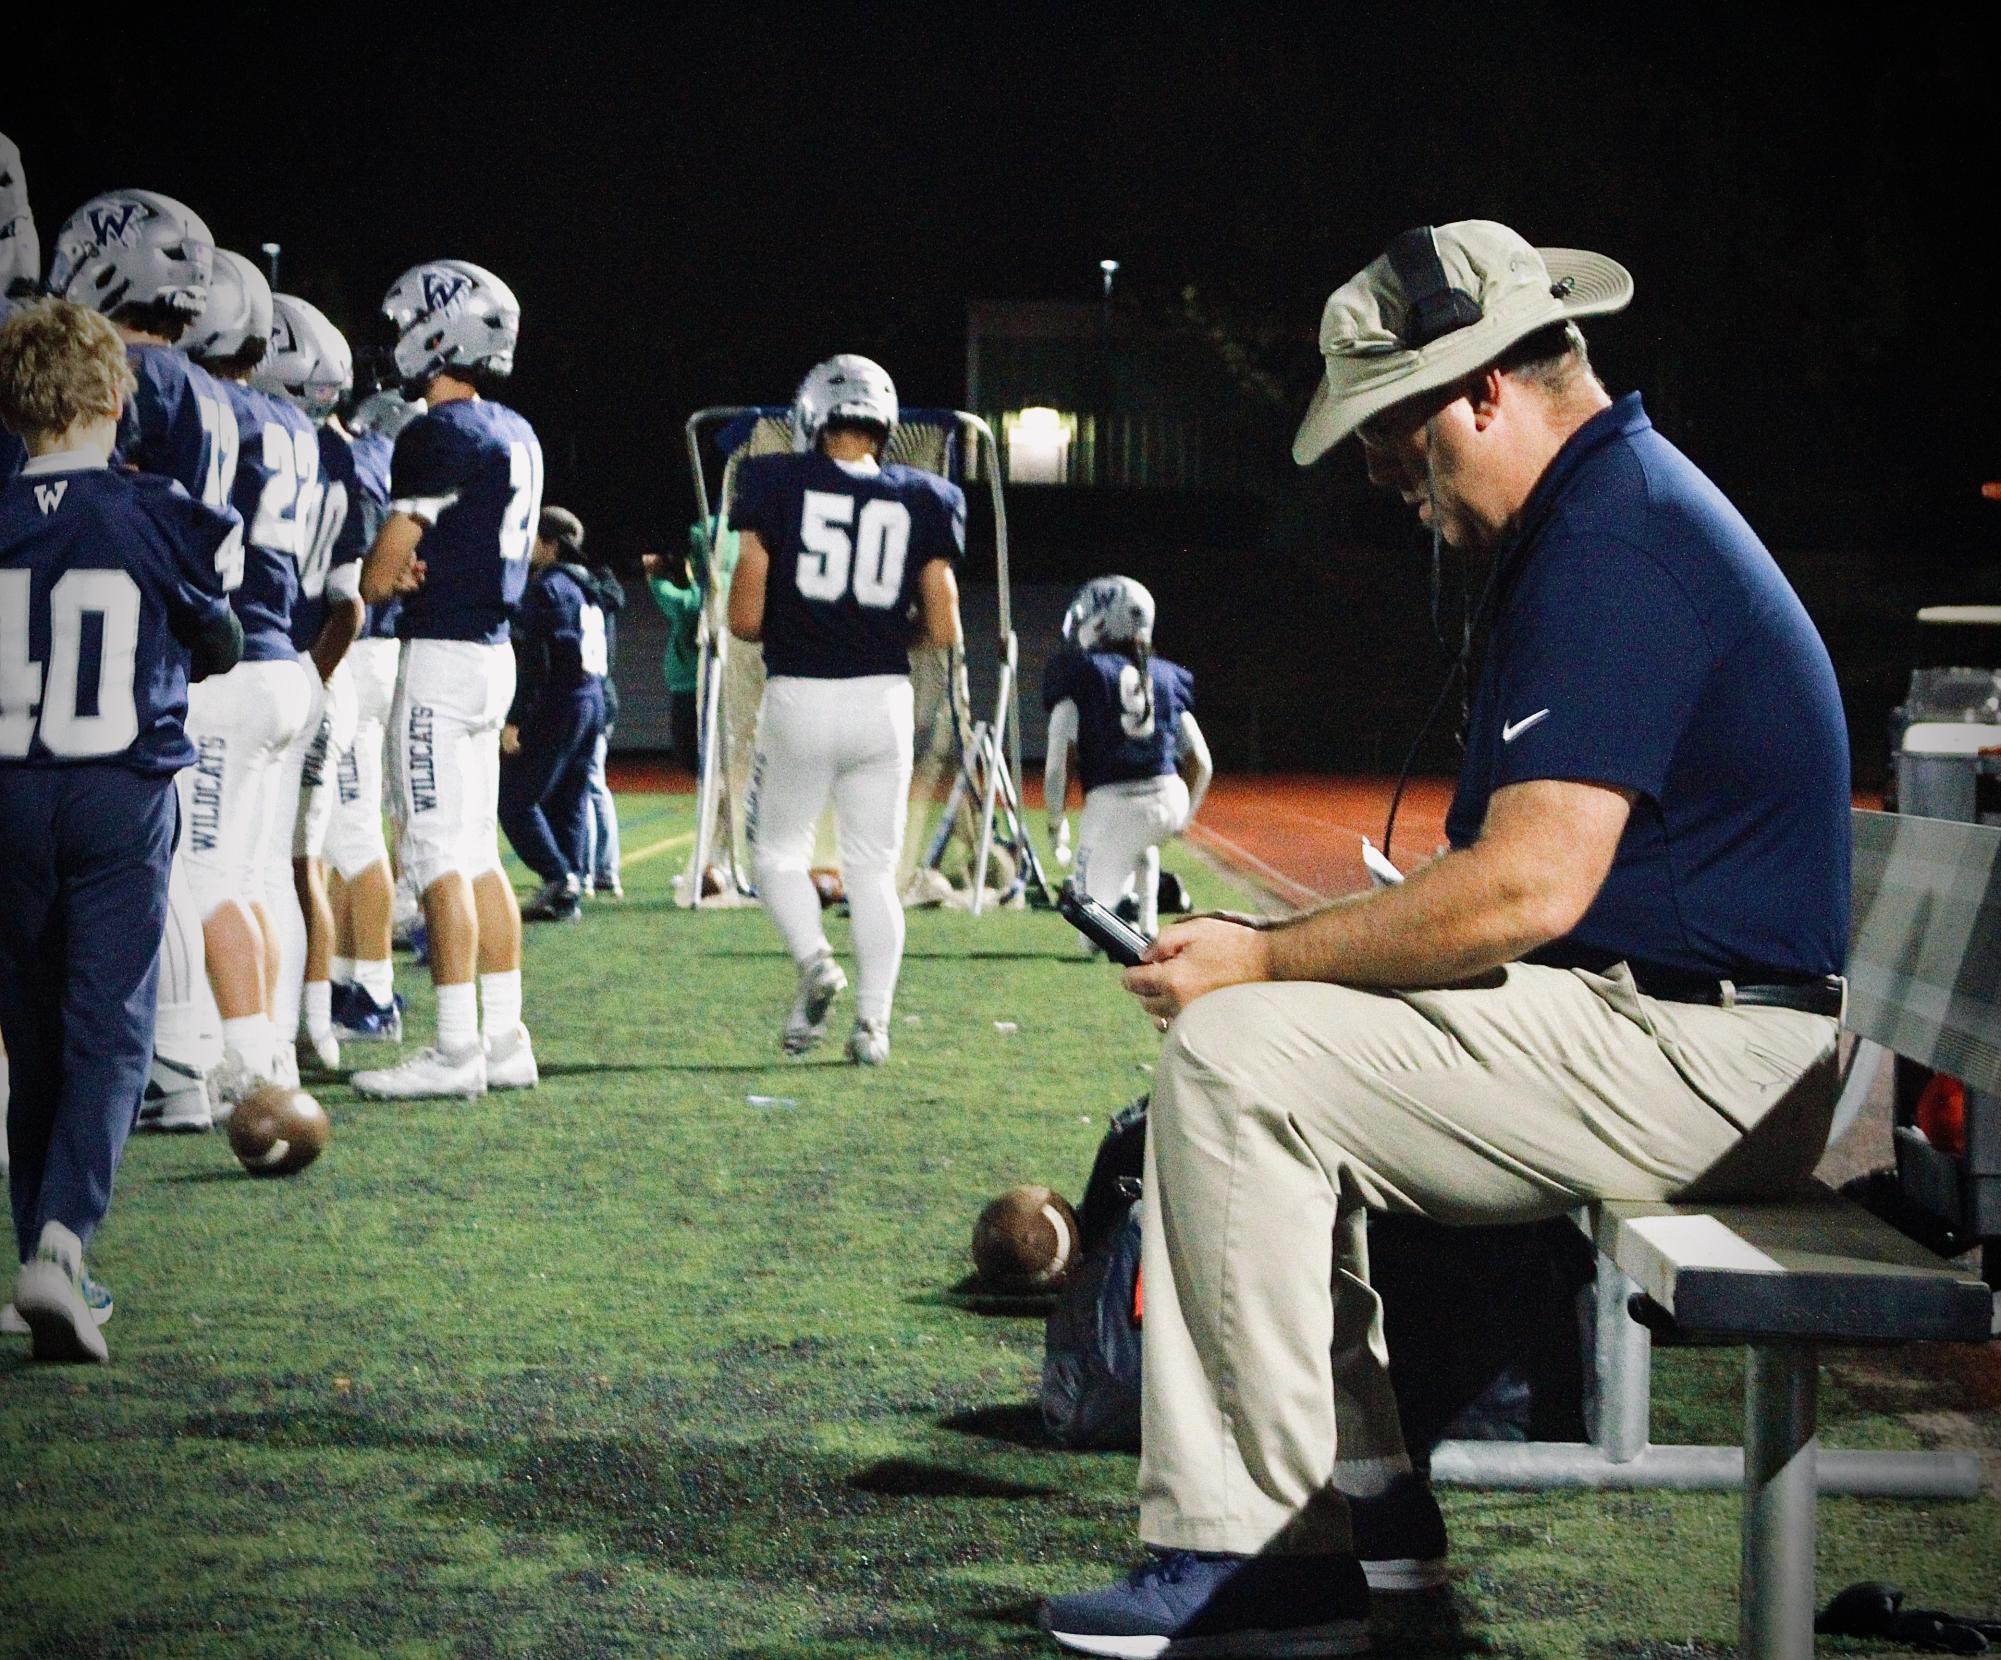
column 341, row 629
column 1468, row 912
column 388, row 562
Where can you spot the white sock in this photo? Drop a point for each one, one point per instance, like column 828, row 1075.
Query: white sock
column 500, row 1002
column 377, row 979
column 341, row 971
column 876, row 916
column 250, row 1036
column 795, row 907
column 1148, row 878
column 186, row 1026
column 316, row 1008
column 458, row 1017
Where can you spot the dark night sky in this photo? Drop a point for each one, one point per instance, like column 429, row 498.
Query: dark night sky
column 692, row 211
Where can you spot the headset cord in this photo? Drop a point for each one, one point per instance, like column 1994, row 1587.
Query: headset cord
column 1458, row 672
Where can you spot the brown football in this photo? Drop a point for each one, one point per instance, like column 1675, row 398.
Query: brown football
column 276, row 1131
column 715, row 880
column 1026, row 1240
column 828, row 885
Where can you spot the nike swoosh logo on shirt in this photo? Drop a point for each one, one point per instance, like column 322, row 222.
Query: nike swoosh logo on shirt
column 1512, row 730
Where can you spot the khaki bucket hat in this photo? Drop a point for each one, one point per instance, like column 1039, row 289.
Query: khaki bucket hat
column 1441, row 303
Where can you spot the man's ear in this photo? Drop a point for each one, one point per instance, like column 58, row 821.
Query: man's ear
column 1483, row 395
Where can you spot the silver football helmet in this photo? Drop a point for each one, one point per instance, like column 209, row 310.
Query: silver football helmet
column 238, row 310
column 20, row 247
column 1109, row 611
column 386, row 412
column 132, row 247
column 309, row 362
column 451, row 313
column 844, row 388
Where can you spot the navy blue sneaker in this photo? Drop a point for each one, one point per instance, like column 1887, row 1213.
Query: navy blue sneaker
column 1400, row 1536
column 363, row 1020
column 1183, row 1603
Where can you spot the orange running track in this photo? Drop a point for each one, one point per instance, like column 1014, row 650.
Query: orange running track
column 1298, row 835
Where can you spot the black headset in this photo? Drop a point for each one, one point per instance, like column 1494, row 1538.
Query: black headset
column 1435, row 307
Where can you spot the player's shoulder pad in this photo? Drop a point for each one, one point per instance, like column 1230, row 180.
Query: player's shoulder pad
column 170, row 506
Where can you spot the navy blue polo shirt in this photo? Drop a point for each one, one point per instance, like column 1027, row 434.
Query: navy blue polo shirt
column 1645, row 639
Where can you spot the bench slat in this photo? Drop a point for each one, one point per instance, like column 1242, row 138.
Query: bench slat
column 1924, row 952
column 1812, row 1267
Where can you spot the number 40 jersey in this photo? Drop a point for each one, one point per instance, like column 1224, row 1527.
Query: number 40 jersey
column 472, row 469
column 106, row 579
column 847, row 548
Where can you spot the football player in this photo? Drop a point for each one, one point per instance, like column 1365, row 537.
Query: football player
column 111, row 595
column 311, row 367
column 1131, row 716
column 842, row 561
column 145, row 260
column 466, row 496
column 365, row 1004
column 238, row 807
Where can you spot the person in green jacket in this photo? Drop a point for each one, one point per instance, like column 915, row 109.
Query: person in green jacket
column 678, row 583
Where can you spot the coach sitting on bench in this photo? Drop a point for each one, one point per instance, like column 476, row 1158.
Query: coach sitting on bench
column 1618, row 984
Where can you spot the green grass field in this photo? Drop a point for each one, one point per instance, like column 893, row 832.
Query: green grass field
column 635, row 1364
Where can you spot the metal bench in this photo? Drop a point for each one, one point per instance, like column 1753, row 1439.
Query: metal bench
column 1784, row 1276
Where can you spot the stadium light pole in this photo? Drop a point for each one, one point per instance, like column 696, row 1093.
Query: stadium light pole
column 1110, row 267
column 1102, row 436
column 270, row 251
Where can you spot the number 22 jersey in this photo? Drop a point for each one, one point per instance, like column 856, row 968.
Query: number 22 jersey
column 472, row 469
column 847, row 548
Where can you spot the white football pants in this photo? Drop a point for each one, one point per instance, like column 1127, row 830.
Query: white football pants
column 323, row 753
column 452, row 696
column 274, row 857
column 354, row 839
column 847, row 742
column 1118, row 837
column 242, row 723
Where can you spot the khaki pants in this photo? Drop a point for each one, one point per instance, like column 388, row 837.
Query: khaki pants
column 1281, row 1111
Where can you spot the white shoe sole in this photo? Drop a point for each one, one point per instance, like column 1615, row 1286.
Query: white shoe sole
column 57, row 1318
column 172, row 1123
column 1407, row 1573
column 1301, row 1643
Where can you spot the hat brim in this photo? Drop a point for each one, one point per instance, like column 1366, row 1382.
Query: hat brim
column 1592, row 286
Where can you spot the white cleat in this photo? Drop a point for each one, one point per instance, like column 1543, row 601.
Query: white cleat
column 820, row 982
column 868, row 1043
column 285, row 1066
column 510, row 1061
column 321, row 1051
column 429, row 1074
column 176, row 1099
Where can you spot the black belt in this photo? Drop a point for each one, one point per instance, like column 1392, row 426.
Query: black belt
column 1825, row 995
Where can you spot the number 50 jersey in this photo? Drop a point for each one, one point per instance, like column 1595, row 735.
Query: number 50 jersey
column 847, row 549
column 473, row 469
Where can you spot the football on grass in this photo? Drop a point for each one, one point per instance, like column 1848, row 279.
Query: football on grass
column 276, row 1131
column 1026, row 1240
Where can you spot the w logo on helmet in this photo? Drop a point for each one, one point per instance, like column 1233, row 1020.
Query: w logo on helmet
column 445, row 292
column 116, row 222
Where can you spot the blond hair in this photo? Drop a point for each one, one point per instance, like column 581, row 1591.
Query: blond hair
column 60, row 363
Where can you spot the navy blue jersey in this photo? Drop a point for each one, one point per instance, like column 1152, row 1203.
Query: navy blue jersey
column 338, row 532
column 276, row 493
column 371, row 453
column 474, row 469
column 1645, row 640
column 559, row 637
column 178, row 424
column 1122, row 736
column 106, row 578
column 846, row 553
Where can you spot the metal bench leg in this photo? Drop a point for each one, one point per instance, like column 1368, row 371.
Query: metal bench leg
column 1780, row 1444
